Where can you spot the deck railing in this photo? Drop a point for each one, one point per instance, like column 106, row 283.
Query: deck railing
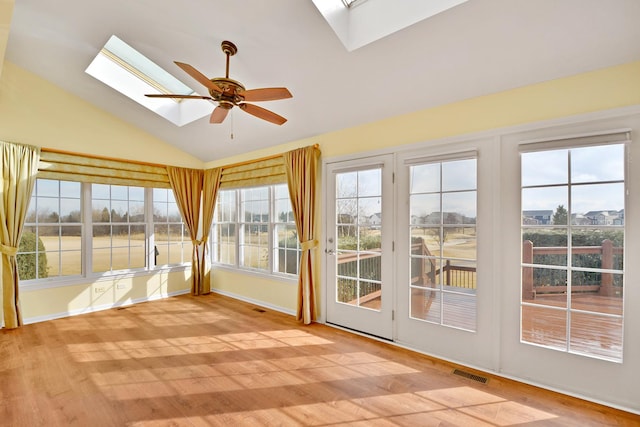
column 425, row 272
column 601, row 283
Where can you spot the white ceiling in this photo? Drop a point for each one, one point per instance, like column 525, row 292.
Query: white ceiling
column 476, row 48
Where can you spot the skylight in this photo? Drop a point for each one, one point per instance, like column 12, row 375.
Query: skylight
column 375, row 19
column 350, row 3
column 126, row 70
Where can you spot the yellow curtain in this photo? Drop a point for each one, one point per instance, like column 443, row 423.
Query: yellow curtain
column 301, row 166
column 187, row 188
column 19, row 169
column 209, row 195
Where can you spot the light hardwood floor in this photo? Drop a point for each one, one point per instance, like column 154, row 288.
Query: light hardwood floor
column 212, row 360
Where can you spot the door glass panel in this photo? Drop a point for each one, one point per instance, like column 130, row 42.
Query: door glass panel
column 359, row 238
column 443, row 243
column 573, row 249
column 596, row 335
column 425, row 304
column 544, row 326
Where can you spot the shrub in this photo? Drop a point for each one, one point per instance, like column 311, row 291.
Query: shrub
column 28, row 257
column 558, row 238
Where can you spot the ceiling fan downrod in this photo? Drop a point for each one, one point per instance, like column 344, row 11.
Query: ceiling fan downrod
column 229, row 49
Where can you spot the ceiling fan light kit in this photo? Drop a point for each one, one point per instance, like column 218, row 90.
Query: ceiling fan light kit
column 229, row 93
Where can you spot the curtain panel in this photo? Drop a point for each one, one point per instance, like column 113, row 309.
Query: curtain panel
column 187, row 189
column 211, row 185
column 302, row 166
column 19, row 169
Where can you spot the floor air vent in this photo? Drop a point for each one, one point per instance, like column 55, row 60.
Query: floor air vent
column 471, row 376
column 259, row 310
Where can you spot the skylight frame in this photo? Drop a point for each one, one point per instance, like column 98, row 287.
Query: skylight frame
column 128, row 71
column 352, row 3
column 372, row 20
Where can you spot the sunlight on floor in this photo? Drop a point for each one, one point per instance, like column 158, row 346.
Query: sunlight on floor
column 458, row 405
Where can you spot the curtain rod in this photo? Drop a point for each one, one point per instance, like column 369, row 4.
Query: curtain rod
column 93, row 156
column 261, row 159
column 247, row 162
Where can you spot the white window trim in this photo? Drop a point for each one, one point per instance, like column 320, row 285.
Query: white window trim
column 87, row 275
column 237, row 267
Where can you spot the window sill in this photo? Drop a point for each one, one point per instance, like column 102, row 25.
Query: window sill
column 39, row 284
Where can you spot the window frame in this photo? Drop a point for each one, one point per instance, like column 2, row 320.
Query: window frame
column 86, row 250
column 240, row 225
column 613, row 138
column 37, row 225
column 185, row 237
column 441, row 225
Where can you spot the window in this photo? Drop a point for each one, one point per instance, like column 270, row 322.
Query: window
column 224, row 224
column 119, row 228
column 172, row 242
column 573, row 248
column 51, row 243
column 443, row 257
column 254, row 228
column 286, row 249
column 108, row 233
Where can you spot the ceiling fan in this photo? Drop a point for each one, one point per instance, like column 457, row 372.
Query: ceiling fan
column 229, row 93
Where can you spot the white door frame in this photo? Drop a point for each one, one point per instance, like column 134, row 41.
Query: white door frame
column 370, row 321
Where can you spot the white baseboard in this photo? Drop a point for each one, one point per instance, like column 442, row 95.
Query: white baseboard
column 255, row 302
column 102, row 307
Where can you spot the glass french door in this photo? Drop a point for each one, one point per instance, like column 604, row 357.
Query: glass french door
column 359, row 243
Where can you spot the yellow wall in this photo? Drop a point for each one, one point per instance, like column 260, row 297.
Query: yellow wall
column 43, row 304
column 604, row 89
column 6, row 12
column 34, row 111
column 278, row 294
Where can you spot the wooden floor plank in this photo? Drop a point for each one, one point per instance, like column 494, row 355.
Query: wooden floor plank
column 212, row 360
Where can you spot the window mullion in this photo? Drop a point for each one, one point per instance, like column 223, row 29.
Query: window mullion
column 87, row 230
column 150, row 229
column 270, row 229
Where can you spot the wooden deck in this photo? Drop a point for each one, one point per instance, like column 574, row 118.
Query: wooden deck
column 214, row 361
column 590, row 334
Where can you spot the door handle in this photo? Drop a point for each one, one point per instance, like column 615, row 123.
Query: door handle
column 329, row 251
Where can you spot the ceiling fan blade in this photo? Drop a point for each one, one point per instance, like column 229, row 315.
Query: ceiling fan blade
column 155, row 95
column 218, row 115
column 262, row 113
column 266, row 94
column 201, row 78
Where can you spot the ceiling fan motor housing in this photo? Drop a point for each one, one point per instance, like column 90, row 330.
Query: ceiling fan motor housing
column 230, row 91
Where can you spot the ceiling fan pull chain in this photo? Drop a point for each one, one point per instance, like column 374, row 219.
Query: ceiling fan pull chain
column 232, row 125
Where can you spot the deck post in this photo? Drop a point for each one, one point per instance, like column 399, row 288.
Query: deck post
column 527, row 272
column 606, row 282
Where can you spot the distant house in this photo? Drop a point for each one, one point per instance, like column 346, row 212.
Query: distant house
column 579, row 219
column 537, row 217
column 375, row 219
column 605, row 217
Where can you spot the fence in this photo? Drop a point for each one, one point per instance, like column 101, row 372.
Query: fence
column 553, row 281
column 366, row 269
column 424, row 270
column 370, row 270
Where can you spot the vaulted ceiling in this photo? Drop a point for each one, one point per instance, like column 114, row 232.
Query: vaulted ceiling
column 476, row 48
